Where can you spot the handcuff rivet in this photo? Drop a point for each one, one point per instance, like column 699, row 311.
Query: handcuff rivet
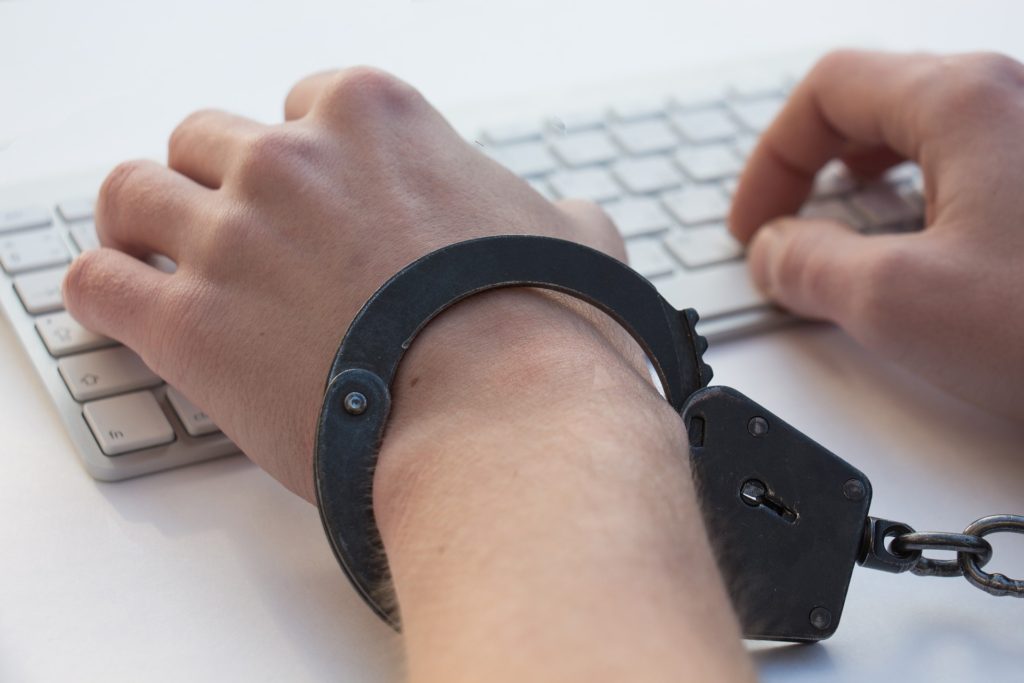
column 820, row 618
column 758, row 426
column 355, row 403
column 854, row 490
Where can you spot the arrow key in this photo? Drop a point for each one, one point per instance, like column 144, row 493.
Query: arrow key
column 103, row 373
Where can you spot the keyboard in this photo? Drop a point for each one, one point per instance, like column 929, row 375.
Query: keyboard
column 663, row 168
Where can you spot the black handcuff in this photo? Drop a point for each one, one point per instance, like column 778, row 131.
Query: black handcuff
column 789, row 518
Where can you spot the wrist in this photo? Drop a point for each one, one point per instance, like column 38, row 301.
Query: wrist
column 531, row 476
column 508, row 360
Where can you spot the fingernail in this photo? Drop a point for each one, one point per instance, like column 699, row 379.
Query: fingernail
column 761, row 254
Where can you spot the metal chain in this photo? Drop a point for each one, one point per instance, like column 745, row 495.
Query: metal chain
column 906, row 551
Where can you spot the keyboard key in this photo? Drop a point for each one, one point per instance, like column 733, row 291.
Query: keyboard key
column 697, row 204
column 21, row 219
column 705, row 125
column 128, row 423
column 833, row 209
column 700, row 96
column 914, row 197
column 40, row 291
column 595, row 184
column 756, row 86
column 512, row 132
column 575, row 122
column 833, row 180
column 195, row 421
column 639, row 109
column 883, row 207
column 646, row 137
column 63, row 335
column 648, row 257
column 703, row 246
column 907, row 172
column 76, row 209
column 709, row 162
column 714, row 292
column 29, row 250
column 638, row 216
column 102, row 373
column 650, row 174
column 525, row 158
column 756, row 115
column 744, row 144
column 83, row 234
column 585, row 149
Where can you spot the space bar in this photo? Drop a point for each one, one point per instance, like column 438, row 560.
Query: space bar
column 714, row 292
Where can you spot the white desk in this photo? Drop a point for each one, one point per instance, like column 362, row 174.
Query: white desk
column 215, row 572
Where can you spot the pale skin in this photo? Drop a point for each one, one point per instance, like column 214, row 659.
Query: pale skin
column 533, row 492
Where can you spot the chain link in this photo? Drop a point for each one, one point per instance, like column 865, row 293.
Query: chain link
column 906, row 551
column 961, row 544
column 994, row 584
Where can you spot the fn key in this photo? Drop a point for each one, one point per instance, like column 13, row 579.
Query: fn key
column 128, row 423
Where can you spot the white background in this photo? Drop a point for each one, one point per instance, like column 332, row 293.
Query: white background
column 215, row 572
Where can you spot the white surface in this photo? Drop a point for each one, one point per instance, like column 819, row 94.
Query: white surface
column 215, row 572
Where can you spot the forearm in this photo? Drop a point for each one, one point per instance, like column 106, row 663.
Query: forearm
column 538, row 513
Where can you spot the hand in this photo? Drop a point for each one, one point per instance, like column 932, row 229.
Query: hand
column 532, row 486
column 280, row 233
column 945, row 302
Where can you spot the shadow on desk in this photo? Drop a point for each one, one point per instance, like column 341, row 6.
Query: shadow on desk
column 812, row 660
column 239, row 531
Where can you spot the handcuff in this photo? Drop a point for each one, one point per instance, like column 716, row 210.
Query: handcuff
column 789, row 518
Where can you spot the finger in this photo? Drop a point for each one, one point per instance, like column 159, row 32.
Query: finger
column 145, row 208
column 869, row 163
column 866, row 98
column 302, row 96
column 206, row 144
column 825, row 270
column 113, row 294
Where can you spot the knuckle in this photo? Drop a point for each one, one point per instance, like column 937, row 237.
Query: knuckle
column 227, row 237
column 276, row 154
column 993, row 68
column 120, row 188
column 974, row 84
column 834, row 62
column 363, row 87
column 181, row 133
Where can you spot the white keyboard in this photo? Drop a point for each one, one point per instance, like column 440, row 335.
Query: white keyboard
column 664, row 169
column 123, row 419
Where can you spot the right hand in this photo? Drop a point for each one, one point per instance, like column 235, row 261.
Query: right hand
column 946, row 302
column 281, row 232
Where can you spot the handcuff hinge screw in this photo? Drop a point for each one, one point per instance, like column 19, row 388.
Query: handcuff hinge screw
column 355, row 403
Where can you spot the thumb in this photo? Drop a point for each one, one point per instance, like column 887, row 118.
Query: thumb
column 826, row 270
